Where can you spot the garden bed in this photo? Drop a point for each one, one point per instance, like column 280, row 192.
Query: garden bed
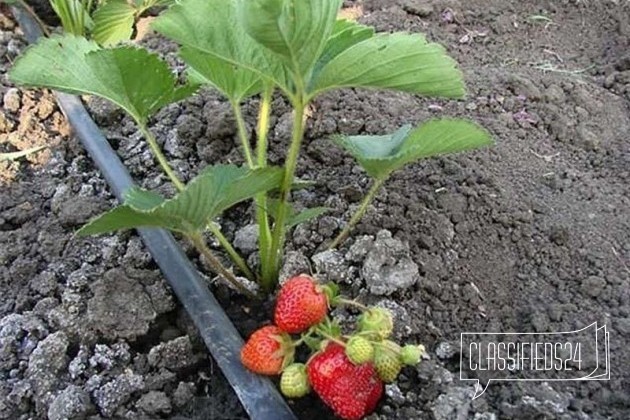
column 531, row 235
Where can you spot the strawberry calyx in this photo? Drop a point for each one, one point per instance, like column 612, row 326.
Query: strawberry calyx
column 377, row 322
column 330, row 330
column 286, row 350
column 331, row 290
column 342, row 301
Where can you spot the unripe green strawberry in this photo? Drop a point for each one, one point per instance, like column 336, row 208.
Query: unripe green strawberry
column 359, row 350
column 294, row 381
column 378, row 321
column 387, row 362
column 410, row 355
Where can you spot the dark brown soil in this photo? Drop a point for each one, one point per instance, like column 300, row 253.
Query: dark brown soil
column 531, row 235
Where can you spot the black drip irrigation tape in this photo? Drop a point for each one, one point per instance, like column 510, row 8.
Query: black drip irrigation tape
column 258, row 395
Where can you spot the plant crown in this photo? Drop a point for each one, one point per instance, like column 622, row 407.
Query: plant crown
column 245, row 48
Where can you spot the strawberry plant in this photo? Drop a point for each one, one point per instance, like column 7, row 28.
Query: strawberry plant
column 246, row 48
column 115, row 20
column 108, row 22
column 74, row 15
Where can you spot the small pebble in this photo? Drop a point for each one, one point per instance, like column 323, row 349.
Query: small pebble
column 12, row 100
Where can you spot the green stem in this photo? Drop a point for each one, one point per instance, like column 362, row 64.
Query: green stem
column 236, row 258
column 279, row 228
column 261, row 162
column 392, row 346
column 353, row 303
column 331, row 338
column 264, row 115
column 303, row 337
column 358, row 214
column 242, row 133
column 227, row 246
column 155, row 148
column 262, row 218
column 214, row 263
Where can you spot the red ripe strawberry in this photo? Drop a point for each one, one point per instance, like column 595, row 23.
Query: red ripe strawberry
column 352, row 391
column 301, row 304
column 267, row 351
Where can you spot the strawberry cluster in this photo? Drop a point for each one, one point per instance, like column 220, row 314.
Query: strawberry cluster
column 347, row 372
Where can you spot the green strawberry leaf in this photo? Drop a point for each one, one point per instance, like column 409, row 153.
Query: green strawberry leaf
column 382, row 155
column 75, row 19
column 236, row 83
column 298, row 184
column 213, row 29
column 142, row 200
column 132, row 78
column 302, row 184
column 216, row 189
column 313, row 342
column 296, row 30
column 295, row 218
column 345, row 34
column 125, row 217
column 398, row 61
column 113, row 22
column 306, row 215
